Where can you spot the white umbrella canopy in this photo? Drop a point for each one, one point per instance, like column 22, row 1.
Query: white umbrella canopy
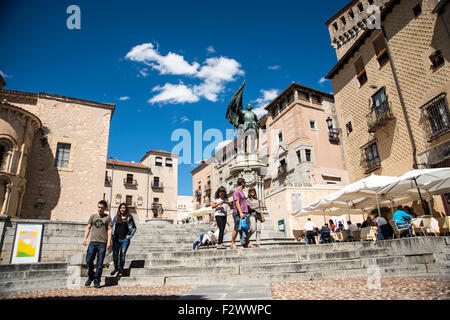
column 426, row 179
column 361, row 194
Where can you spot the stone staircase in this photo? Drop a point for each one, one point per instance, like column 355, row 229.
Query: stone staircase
column 163, row 255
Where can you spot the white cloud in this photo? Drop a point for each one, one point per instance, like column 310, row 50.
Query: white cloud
column 173, row 93
column 214, row 73
column 322, row 80
column 143, row 72
column 172, row 63
column 124, row 98
column 184, row 119
column 275, row 67
column 210, row 49
column 262, row 102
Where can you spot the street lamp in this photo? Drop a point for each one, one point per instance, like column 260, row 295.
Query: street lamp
column 329, row 123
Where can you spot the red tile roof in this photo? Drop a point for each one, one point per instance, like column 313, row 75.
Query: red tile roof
column 126, row 164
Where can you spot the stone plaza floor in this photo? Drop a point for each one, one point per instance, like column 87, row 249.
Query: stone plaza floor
column 388, row 288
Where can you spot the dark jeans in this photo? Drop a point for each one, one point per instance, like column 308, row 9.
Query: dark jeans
column 221, row 223
column 120, row 246
column 95, row 249
column 310, row 237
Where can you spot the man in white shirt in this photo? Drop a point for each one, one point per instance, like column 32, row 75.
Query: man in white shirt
column 309, row 228
column 383, row 227
column 350, row 228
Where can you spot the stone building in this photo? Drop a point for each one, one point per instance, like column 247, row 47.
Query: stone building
column 391, row 87
column 184, row 207
column 300, row 147
column 149, row 188
column 53, row 150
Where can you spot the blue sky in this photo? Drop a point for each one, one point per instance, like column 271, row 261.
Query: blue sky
column 166, row 64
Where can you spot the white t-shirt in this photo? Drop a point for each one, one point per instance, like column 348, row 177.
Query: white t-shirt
column 380, row 221
column 309, row 226
column 222, row 209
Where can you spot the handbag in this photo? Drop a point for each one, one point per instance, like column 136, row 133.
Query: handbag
column 243, row 225
column 261, row 214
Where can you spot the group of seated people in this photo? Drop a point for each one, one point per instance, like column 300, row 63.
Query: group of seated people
column 402, row 218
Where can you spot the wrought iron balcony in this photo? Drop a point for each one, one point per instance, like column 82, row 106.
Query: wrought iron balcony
column 333, row 135
column 372, row 165
column 198, row 193
column 158, row 186
column 108, row 179
column 156, row 206
column 129, row 182
column 379, row 116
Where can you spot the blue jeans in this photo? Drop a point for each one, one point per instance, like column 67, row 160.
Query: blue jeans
column 120, row 246
column 95, row 249
column 405, row 225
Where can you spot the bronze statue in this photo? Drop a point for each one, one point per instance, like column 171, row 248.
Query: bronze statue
column 246, row 122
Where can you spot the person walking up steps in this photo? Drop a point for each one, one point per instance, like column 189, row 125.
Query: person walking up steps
column 123, row 227
column 255, row 216
column 99, row 226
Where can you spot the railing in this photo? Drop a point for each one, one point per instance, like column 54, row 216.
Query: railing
column 108, row 179
column 282, row 170
column 372, row 165
column 333, row 135
column 379, row 116
column 158, row 185
column 198, row 193
column 156, row 206
column 438, row 117
column 130, row 182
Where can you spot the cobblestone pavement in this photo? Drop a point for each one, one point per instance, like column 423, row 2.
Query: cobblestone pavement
column 107, row 292
column 391, row 288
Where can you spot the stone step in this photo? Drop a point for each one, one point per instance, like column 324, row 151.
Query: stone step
column 269, row 277
column 45, row 283
column 33, row 266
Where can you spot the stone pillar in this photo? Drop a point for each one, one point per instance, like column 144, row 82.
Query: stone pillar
column 6, row 201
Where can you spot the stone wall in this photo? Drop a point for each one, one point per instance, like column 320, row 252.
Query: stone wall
column 59, row 241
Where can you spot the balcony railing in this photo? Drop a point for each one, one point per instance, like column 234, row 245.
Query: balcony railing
column 198, row 193
column 130, row 182
column 156, row 206
column 333, row 135
column 379, row 116
column 158, row 186
column 372, row 165
column 282, row 170
column 108, row 179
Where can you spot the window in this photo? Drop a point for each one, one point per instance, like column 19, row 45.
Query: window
column 199, row 185
column 312, row 124
column 417, row 10
column 316, row 99
column 370, row 2
column 129, row 200
column 360, row 7
column 158, row 161
column 280, row 137
column 308, row 154
column 436, row 59
column 62, row 155
column 360, row 71
column 129, row 178
column 335, row 26
column 291, row 98
column 438, row 116
column 380, row 50
column 372, row 157
column 156, row 181
column 351, row 14
column 155, row 200
column 299, row 156
column 168, row 162
column 349, row 127
column 379, row 100
column 343, row 20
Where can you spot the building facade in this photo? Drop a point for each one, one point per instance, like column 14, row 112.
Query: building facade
column 391, row 88
column 149, row 188
column 53, row 151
